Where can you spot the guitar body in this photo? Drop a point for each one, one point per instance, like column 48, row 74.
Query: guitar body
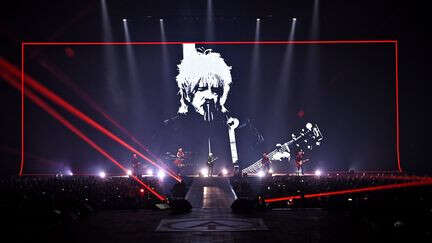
column 211, row 162
column 300, row 163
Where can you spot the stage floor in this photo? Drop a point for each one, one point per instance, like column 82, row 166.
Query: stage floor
column 300, row 225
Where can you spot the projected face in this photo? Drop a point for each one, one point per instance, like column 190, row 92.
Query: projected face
column 207, row 92
column 203, row 77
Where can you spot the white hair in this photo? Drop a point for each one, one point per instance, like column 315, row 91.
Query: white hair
column 208, row 67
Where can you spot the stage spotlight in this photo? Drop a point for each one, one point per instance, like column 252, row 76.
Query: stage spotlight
column 258, row 20
column 318, row 172
column 129, row 172
column 204, row 172
column 309, row 126
column 124, row 20
column 161, row 175
column 271, row 170
column 102, row 174
column 261, row 173
column 161, row 20
column 70, row 173
column 150, row 172
column 141, row 190
column 294, row 19
column 224, row 172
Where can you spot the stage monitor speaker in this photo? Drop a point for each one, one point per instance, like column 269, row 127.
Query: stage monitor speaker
column 180, row 206
column 243, row 205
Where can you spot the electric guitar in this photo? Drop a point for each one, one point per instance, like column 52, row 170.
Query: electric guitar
column 301, row 162
column 307, row 139
column 211, row 161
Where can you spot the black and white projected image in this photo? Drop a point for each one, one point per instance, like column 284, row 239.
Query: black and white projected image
column 208, row 98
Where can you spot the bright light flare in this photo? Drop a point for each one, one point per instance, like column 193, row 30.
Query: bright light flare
column 318, row 172
column 271, row 171
column 129, row 172
column 261, row 173
column 224, row 172
column 161, row 175
column 204, row 172
column 149, row 172
column 102, row 174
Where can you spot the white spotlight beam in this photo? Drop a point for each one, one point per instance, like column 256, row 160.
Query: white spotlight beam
column 210, row 24
column 109, row 57
column 255, row 73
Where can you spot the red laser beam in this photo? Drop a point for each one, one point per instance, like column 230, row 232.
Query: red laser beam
column 57, row 73
column 22, row 110
column 357, row 190
column 397, row 105
column 75, row 130
column 74, row 174
column 74, row 111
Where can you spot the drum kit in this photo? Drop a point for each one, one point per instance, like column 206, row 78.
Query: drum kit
column 179, row 162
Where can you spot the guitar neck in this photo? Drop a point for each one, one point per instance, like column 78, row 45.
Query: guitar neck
column 286, row 147
column 290, row 142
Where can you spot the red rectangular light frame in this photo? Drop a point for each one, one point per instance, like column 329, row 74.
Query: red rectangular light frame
column 320, row 42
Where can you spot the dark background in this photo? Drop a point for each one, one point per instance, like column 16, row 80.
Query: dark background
column 348, row 89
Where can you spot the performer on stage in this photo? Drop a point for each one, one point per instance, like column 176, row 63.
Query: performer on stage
column 135, row 164
column 266, row 163
column 210, row 163
column 299, row 159
column 180, row 156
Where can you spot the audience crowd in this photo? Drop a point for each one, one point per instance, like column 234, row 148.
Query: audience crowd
column 400, row 211
column 53, row 200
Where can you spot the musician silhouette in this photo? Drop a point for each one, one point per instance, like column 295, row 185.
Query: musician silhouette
column 135, row 164
column 210, row 164
column 299, row 160
column 266, row 163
